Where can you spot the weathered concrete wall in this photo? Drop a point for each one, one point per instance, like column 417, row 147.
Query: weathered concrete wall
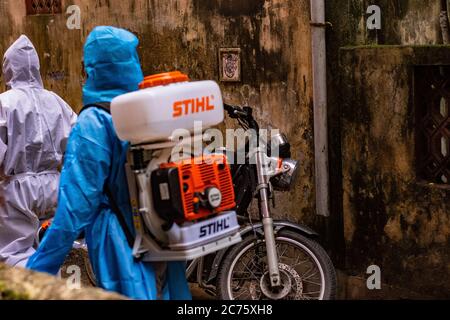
column 186, row 35
column 403, row 22
column 390, row 219
column 381, row 215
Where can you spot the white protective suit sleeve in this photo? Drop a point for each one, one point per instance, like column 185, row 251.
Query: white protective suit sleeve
column 3, row 134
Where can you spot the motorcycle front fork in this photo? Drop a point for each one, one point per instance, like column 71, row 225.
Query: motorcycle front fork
column 269, row 235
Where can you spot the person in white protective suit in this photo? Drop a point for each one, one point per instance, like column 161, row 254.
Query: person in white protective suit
column 34, row 129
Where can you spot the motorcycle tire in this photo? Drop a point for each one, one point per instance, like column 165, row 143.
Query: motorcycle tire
column 310, row 248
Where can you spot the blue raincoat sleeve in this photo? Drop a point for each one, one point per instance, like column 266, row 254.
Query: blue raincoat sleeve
column 86, row 168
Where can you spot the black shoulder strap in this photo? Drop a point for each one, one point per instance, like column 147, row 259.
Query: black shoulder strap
column 104, row 106
column 115, row 208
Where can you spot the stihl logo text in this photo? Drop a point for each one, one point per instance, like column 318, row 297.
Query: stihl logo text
column 191, row 106
column 214, row 227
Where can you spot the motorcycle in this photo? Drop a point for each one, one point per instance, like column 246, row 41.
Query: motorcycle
column 277, row 259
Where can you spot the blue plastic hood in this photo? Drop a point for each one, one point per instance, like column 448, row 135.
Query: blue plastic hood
column 111, row 63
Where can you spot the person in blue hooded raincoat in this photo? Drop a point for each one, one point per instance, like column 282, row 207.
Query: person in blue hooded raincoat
column 95, row 158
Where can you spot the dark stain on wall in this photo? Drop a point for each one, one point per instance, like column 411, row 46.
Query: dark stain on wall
column 258, row 64
column 231, row 8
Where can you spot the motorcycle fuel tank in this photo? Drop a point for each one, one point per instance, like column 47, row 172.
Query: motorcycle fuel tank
column 165, row 103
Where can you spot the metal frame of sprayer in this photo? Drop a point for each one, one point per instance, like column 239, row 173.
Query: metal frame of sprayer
column 178, row 243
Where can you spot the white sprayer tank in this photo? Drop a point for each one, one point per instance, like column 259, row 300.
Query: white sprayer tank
column 165, row 103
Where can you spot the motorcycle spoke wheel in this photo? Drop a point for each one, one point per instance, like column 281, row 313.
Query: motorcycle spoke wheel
column 299, row 267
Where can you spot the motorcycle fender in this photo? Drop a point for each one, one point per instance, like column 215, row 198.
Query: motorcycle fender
column 258, row 228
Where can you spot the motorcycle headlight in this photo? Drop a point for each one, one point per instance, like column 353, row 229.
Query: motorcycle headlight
column 280, row 142
column 285, row 180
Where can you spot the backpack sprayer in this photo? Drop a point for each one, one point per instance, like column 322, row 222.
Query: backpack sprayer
column 183, row 208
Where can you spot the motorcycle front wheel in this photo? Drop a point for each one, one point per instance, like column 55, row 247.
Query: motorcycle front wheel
column 306, row 271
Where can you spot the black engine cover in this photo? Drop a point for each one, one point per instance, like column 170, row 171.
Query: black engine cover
column 166, row 192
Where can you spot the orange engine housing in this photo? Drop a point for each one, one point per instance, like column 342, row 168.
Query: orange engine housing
column 195, row 177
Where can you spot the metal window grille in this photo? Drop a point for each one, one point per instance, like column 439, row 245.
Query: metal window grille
column 35, row 7
column 432, row 107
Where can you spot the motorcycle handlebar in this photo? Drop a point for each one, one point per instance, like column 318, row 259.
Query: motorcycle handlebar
column 244, row 114
column 235, row 111
column 229, row 108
